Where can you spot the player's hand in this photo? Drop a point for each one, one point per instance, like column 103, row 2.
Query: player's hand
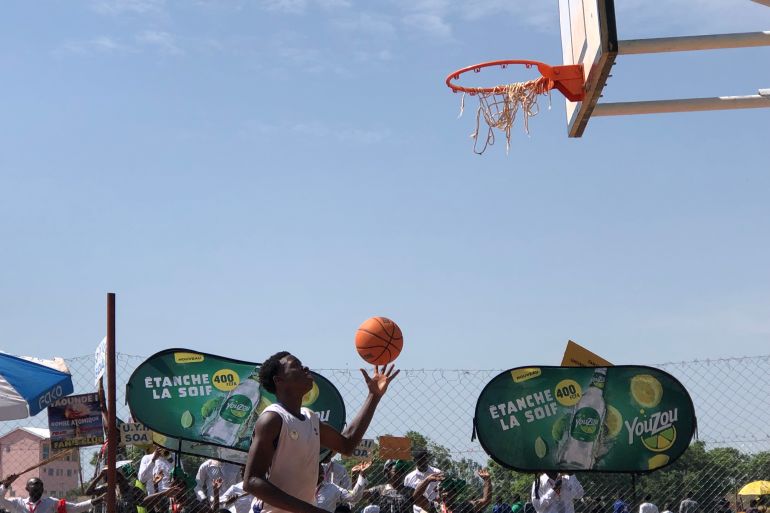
column 435, row 477
column 98, row 500
column 483, row 474
column 10, row 479
column 217, row 484
column 361, row 467
column 381, row 378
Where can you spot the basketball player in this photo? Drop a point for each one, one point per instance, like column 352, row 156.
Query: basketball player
column 282, row 465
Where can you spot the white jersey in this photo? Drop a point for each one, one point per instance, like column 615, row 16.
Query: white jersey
column 415, row 477
column 294, row 468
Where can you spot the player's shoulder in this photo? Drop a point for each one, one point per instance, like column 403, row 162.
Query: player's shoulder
column 308, row 412
column 268, row 420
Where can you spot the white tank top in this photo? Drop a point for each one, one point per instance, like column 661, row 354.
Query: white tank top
column 295, row 463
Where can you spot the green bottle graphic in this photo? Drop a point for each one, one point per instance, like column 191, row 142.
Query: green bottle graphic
column 578, row 449
column 235, row 410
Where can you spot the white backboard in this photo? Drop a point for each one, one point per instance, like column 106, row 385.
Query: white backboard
column 588, row 36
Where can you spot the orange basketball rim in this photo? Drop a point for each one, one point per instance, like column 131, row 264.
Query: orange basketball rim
column 567, row 79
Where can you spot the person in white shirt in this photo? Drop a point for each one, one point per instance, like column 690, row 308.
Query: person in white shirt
column 155, row 471
column 555, row 493
column 236, row 500
column 336, row 473
column 688, row 505
column 329, row 495
column 415, row 477
column 36, row 503
column 209, row 471
column 647, row 506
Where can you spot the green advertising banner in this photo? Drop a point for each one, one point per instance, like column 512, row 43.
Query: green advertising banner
column 605, row 419
column 207, row 405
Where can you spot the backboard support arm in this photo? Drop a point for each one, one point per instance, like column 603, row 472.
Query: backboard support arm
column 757, row 101
column 693, row 43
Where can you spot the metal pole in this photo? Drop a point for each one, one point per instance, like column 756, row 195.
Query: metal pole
column 690, row 43
column 112, row 432
column 684, row 105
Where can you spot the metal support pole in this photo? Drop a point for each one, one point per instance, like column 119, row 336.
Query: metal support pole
column 112, row 432
column 684, row 105
column 690, row 43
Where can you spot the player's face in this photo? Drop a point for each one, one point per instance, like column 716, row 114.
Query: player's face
column 296, row 375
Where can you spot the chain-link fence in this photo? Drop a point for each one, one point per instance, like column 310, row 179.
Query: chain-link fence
column 435, row 408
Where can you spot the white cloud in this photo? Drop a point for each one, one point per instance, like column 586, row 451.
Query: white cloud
column 301, row 6
column 97, row 45
column 431, row 24
column 117, row 7
column 146, row 41
column 368, row 23
column 164, row 42
column 285, row 6
column 334, row 4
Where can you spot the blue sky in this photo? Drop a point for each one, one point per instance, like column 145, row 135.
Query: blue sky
column 254, row 175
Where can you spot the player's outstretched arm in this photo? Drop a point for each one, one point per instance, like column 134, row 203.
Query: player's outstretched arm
column 258, row 463
column 346, row 443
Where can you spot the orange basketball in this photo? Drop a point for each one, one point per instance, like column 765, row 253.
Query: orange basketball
column 379, row 340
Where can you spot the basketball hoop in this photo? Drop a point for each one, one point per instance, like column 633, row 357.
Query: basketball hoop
column 500, row 104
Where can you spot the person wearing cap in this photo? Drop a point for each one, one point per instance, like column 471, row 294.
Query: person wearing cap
column 421, row 458
column 394, row 496
column 37, row 502
column 450, row 491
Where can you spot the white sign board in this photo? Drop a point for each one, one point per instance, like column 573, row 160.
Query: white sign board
column 364, row 450
column 100, row 359
column 135, row 433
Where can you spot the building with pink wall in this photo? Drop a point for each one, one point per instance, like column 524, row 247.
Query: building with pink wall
column 26, row 446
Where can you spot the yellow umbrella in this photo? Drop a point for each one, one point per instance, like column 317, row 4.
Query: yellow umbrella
column 756, row 488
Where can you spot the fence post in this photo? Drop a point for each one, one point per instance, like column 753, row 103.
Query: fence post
column 112, row 432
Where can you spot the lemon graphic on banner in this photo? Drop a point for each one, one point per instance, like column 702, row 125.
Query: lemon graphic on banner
column 657, row 461
column 613, row 421
column 559, row 427
column 646, row 390
column 662, row 441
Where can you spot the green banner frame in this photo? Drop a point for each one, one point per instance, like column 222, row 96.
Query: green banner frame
column 623, row 419
column 206, row 405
